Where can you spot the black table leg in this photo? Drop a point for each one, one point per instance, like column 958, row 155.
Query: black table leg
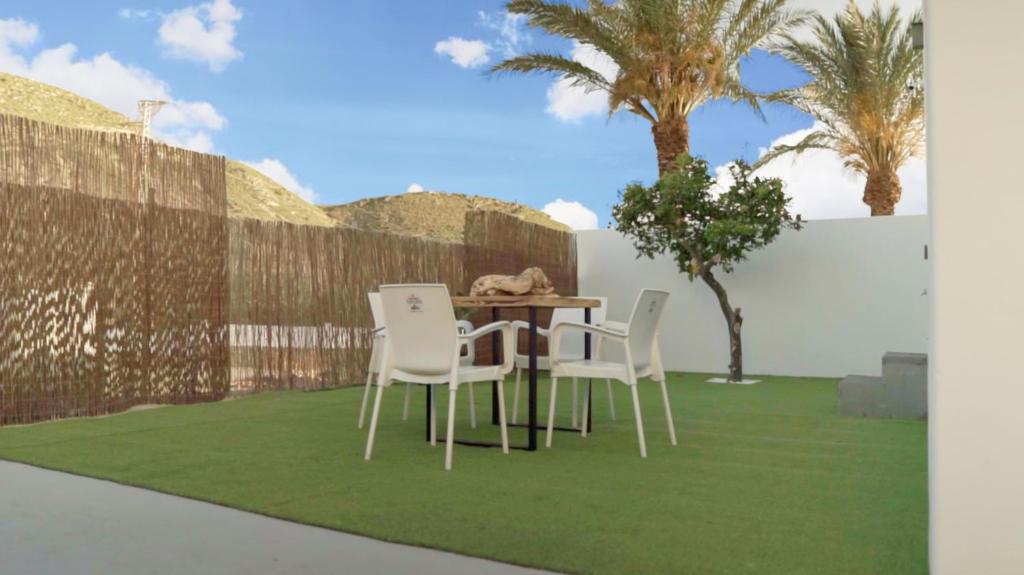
column 533, row 380
column 495, row 360
column 590, row 382
column 429, row 406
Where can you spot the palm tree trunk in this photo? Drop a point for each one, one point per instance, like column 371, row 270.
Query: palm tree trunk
column 882, row 192
column 671, row 138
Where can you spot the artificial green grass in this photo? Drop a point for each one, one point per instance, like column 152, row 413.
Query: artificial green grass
column 766, row 478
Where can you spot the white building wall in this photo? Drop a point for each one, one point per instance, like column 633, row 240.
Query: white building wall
column 975, row 91
column 829, row 300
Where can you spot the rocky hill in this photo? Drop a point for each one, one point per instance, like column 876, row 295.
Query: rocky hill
column 436, row 215
column 253, row 195
column 250, row 193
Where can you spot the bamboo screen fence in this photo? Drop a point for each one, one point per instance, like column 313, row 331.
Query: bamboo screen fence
column 111, row 296
column 299, row 311
column 107, row 302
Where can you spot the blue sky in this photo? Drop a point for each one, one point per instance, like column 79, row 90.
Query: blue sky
column 354, row 99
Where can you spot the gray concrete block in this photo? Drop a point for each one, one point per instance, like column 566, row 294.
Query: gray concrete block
column 905, row 376
column 863, row 396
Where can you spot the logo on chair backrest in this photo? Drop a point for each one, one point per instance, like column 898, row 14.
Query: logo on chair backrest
column 415, row 303
column 653, row 305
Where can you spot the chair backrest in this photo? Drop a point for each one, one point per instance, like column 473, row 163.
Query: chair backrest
column 571, row 346
column 376, row 310
column 421, row 327
column 643, row 325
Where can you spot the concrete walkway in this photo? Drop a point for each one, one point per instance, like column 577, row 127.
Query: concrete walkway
column 52, row 522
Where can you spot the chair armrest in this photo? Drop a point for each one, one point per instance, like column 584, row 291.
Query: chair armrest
column 508, row 343
column 616, row 326
column 601, row 333
column 481, row 331
column 586, row 327
column 378, row 331
column 520, row 324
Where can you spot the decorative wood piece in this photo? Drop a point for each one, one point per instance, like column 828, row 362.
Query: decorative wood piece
column 523, row 301
column 531, row 282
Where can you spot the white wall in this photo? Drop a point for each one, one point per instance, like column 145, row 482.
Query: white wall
column 829, row 300
column 975, row 91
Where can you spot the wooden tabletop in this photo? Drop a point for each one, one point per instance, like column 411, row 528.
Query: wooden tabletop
column 542, row 301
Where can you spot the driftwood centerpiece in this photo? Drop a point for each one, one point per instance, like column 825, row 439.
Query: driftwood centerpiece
column 531, row 282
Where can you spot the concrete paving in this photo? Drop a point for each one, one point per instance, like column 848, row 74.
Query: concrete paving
column 52, row 522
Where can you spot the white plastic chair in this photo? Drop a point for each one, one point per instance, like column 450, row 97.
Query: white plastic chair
column 469, row 358
column 376, row 352
column 423, row 346
column 642, row 359
column 571, row 350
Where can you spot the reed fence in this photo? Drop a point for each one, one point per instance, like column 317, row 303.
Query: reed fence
column 113, row 273
column 122, row 281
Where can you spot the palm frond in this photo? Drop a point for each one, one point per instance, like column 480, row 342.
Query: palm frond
column 582, row 24
column 579, row 74
column 863, row 66
column 817, row 140
column 672, row 55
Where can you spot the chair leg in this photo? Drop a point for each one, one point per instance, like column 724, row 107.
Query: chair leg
column 433, row 415
column 408, row 400
column 373, row 422
column 611, row 398
column 668, row 412
column 575, row 402
column 501, row 415
column 515, row 396
column 472, row 406
column 639, row 420
column 450, row 439
column 366, row 398
column 586, row 410
column 551, row 412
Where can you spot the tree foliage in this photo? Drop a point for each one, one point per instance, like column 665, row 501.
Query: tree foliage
column 685, row 215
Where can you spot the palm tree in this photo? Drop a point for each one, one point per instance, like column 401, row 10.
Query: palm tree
column 672, row 55
column 865, row 93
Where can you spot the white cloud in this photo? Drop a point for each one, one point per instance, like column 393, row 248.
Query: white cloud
column 135, row 14
column 573, row 214
column 277, row 171
column 464, row 53
column 17, row 32
column 511, row 30
column 203, row 33
column 822, row 188
column 571, row 103
column 415, row 188
column 192, row 140
column 106, row 80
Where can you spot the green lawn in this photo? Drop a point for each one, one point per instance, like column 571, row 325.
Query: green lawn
column 766, row 478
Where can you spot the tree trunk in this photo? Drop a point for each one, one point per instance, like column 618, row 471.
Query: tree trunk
column 882, row 191
column 670, row 139
column 734, row 321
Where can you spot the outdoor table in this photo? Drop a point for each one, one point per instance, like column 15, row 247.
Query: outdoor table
column 532, row 303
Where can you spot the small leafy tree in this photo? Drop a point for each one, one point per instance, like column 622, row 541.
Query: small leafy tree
column 684, row 215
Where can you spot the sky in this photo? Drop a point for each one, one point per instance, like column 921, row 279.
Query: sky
column 346, row 99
